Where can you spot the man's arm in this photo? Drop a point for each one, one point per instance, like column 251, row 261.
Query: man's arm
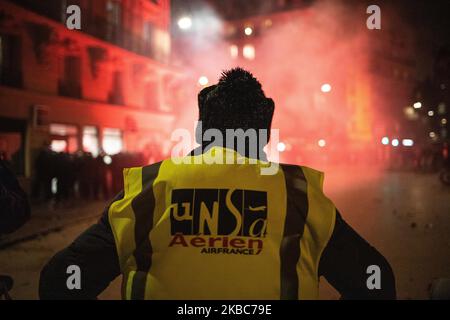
column 344, row 264
column 94, row 252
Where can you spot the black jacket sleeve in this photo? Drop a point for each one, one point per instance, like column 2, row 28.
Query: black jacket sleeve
column 14, row 205
column 344, row 264
column 94, row 252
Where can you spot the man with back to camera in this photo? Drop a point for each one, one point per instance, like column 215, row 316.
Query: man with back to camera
column 198, row 228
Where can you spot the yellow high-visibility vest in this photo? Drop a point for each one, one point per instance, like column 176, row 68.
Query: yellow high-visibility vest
column 203, row 230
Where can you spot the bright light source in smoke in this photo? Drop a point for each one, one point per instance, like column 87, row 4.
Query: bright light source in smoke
column 248, row 31
column 107, row 159
column 385, row 141
column 444, row 121
column 432, row 135
column 58, row 145
column 248, row 52
column 234, row 51
column 203, row 81
column 408, row 142
column 322, row 143
column 417, row 105
column 185, row 23
column 281, row 146
column 431, row 113
column 395, row 142
column 325, row 87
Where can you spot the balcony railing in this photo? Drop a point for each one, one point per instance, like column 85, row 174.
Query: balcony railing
column 103, row 29
column 97, row 26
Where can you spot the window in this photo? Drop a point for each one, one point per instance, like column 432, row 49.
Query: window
column 70, row 84
column 114, row 12
column 114, row 20
column 64, row 138
column 234, row 51
column 161, row 45
column 58, row 145
column 112, row 141
column 10, row 61
column 248, row 52
column 116, row 93
column 90, row 140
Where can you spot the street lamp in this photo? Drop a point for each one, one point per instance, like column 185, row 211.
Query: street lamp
column 184, row 23
column 322, row 143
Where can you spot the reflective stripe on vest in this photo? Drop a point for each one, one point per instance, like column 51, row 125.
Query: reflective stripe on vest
column 221, row 231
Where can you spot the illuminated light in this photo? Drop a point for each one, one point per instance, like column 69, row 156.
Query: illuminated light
column 385, row 141
column 325, row 87
column 203, row 81
column 90, row 140
column 444, row 121
column 58, row 145
column 417, row 105
column 431, row 113
column 248, row 52
column 321, row 143
column 432, row 135
column 248, row 31
column 107, row 159
column 395, row 142
column 112, row 141
column 234, row 51
column 281, row 146
column 185, row 23
column 408, row 142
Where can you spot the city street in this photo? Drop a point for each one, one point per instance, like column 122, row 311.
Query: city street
column 404, row 215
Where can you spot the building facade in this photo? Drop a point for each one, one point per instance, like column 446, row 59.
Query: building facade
column 107, row 87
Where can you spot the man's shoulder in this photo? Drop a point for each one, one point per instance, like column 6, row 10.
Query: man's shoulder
column 299, row 167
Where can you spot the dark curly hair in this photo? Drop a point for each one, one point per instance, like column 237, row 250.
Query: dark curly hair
column 237, row 101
